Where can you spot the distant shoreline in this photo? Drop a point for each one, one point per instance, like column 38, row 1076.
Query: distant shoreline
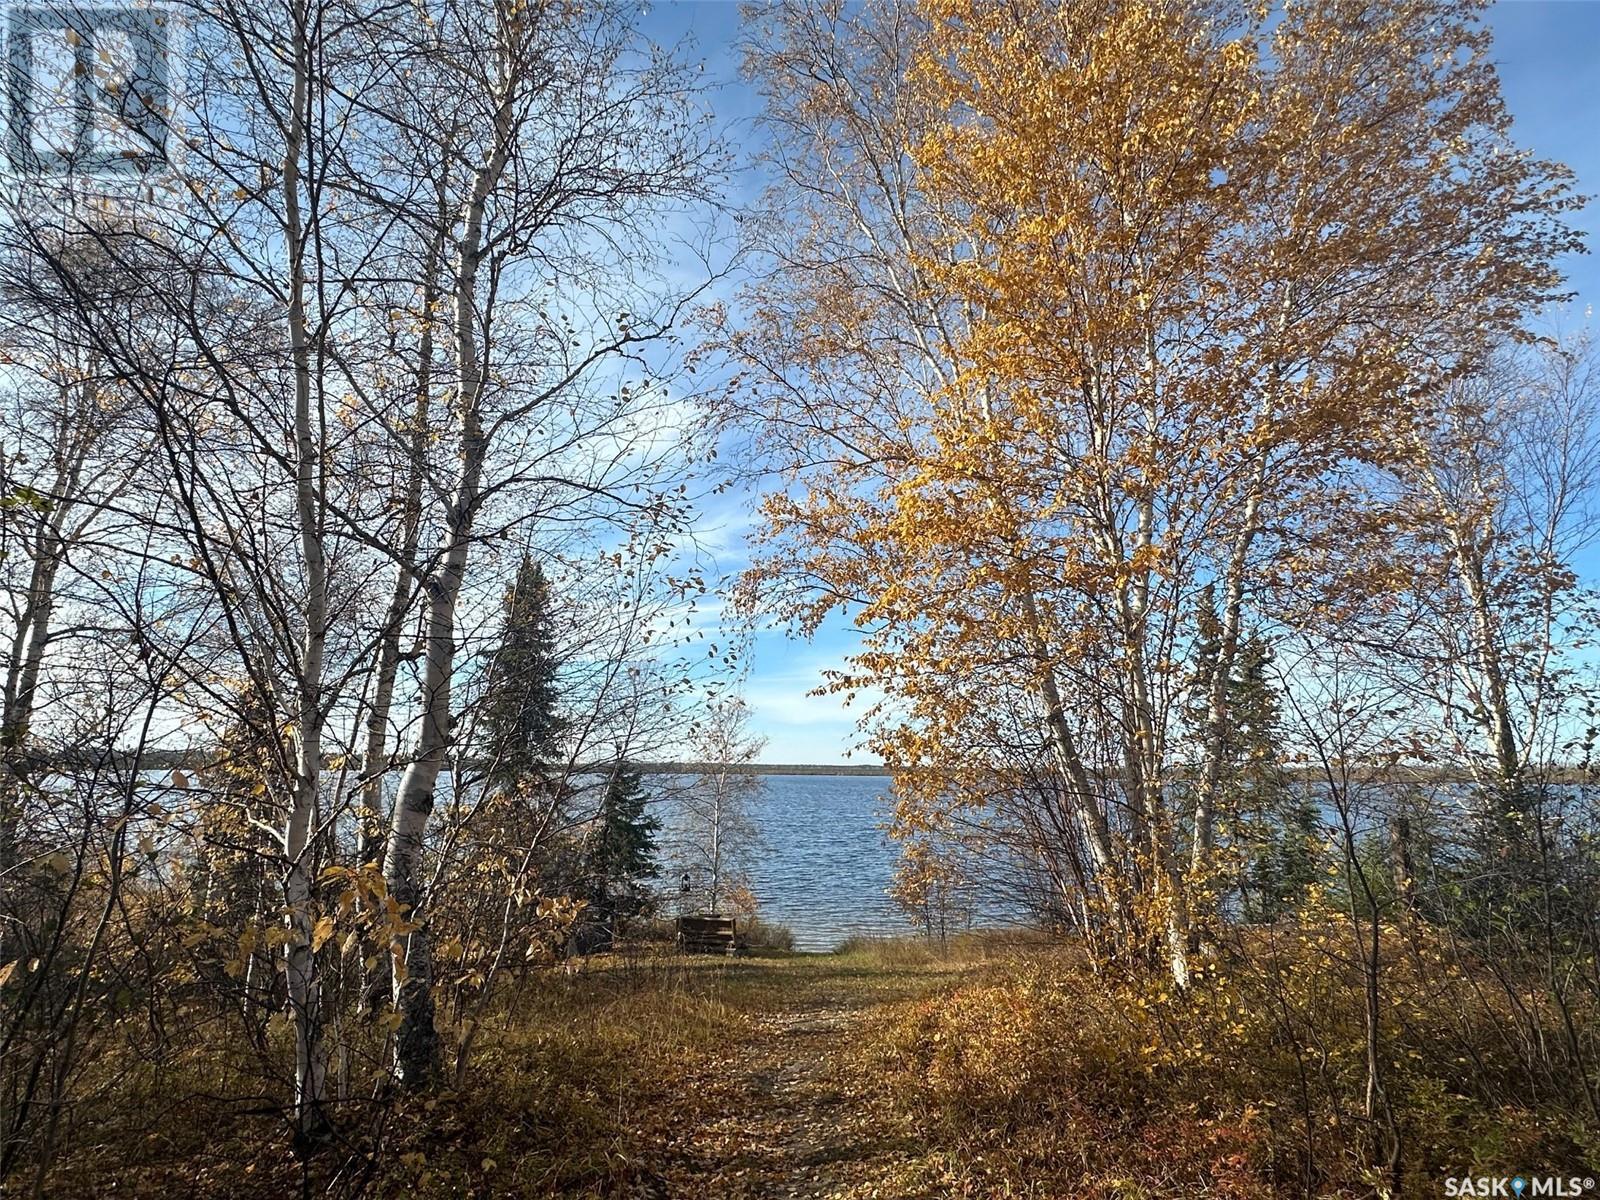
column 194, row 760
column 760, row 769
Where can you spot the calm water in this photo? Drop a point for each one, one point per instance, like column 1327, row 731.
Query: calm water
column 825, row 867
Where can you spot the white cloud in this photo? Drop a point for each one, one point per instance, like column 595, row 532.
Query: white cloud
column 802, row 728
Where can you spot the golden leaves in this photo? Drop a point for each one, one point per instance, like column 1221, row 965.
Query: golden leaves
column 1153, row 288
column 320, row 933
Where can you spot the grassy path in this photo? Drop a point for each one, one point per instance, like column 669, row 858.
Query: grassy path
column 780, row 1113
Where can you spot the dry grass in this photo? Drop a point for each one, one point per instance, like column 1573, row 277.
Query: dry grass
column 1001, row 1067
column 1035, row 1077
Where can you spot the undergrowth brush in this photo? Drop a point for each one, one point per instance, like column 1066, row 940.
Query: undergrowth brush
column 1040, row 1077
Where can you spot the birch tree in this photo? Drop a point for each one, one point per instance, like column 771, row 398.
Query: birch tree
column 715, row 831
column 243, row 283
column 1494, row 502
column 571, row 141
column 1181, row 263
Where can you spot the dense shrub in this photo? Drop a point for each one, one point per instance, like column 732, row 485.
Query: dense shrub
column 756, row 934
column 1251, row 1084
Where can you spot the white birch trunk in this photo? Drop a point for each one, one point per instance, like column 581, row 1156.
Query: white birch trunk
column 416, row 1044
column 1084, row 803
column 716, row 838
column 388, row 665
column 1494, row 694
column 304, row 988
column 31, row 638
column 1493, row 691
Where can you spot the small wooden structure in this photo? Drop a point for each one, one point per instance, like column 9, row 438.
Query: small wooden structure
column 707, row 933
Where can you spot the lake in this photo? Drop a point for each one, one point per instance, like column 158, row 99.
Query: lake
column 824, row 866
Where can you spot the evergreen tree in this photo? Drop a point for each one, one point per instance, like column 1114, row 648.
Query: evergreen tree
column 521, row 722
column 1274, row 824
column 1277, row 822
column 621, row 849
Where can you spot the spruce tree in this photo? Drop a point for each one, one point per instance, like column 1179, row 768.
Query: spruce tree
column 1274, row 824
column 520, row 720
column 621, row 848
column 1279, row 821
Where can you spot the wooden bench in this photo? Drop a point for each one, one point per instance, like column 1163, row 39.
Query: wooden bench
column 707, row 934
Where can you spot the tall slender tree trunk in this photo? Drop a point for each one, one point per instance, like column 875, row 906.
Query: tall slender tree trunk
column 416, row 1050
column 304, row 988
column 417, row 1043
column 1214, row 749
column 716, row 839
column 1495, row 696
column 30, row 640
column 388, row 665
column 22, row 684
column 1493, row 692
column 1084, row 803
column 416, row 1047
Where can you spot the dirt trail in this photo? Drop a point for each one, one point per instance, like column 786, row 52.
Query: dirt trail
column 781, row 1113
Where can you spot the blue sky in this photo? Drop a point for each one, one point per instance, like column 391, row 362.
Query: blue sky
column 1548, row 52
